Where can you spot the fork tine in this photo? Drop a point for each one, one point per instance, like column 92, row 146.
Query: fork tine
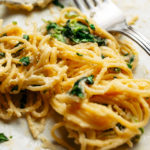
column 95, row 2
column 81, row 5
column 98, row 2
column 90, row 3
column 87, row 4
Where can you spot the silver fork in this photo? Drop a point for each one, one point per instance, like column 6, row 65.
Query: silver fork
column 110, row 17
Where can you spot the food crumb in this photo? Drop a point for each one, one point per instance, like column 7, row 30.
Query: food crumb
column 47, row 143
column 133, row 20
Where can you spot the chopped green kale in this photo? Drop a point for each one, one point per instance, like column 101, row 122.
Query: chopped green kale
column 102, row 56
column 89, row 80
column 51, row 25
column 131, row 59
column 120, row 126
column 78, row 32
column 56, row 31
column 130, row 62
column 77, row 89
column 75, row 31
column 57, row 3
column 92, row 26
column 86, row 21
column 129, row 66
column 2, row 55
column 14, row 88
column 18, row 52
column 79, row 54
column 26, row 37
column 14, row 22
column 25, row 61
column 142, row 130
column 18, row 44
column 59, row 37
column 100, row 41
column 3, row 138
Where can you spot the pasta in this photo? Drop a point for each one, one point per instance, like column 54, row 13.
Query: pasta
column 84, row 76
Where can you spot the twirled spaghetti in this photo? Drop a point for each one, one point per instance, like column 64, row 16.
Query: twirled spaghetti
column 88, row 81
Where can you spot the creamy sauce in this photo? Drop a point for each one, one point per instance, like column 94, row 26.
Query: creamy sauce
column 27, row 4
column 21, row 6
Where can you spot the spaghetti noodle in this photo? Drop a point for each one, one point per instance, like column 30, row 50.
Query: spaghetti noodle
column 82, row 72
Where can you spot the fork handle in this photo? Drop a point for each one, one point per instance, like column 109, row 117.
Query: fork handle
column 137, row 37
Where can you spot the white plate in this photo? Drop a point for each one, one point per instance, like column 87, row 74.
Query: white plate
column 22, row 140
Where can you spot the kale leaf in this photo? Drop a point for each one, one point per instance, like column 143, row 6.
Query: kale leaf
column 3, row 138
column 26, row 37
column 79, row 54
column 2, row 55
column 100, row 41
column 77, row 89
column 25, row 61
column 57, row 3
column 131, row 60
column 92, row 26
column 120, row 126
column 89, row 80
column 102, row 56
column 74, row 31
column 56, row 31
column 142, row 130
column 78, row 32
column 18, row 44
